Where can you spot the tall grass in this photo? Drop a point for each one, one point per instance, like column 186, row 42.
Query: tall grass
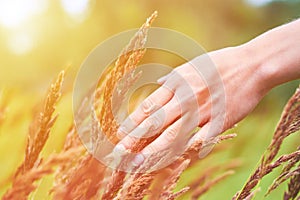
column 78, row 175
column 288, row 124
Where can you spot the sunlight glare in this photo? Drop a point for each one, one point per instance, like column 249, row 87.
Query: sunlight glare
column 75, row 8
column 259, row 2
column 14, row 13
column 20, row 43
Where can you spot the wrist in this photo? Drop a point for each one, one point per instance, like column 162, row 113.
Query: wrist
column 238, row 69
column 274, row 55
column 257, row 64
column 251, row 67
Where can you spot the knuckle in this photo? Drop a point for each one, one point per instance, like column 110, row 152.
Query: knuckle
column 128, row 142
column 150, row 149
column 148, row 122
column 121, row 133
column 171, row 134
column 154, row 122
column 147, row 106
column 134, row 120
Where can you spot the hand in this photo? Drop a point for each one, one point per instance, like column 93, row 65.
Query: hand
column 213, row 91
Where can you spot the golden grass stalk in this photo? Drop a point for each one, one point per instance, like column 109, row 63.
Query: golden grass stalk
column 126, row 63
column 137, row 187
column 71, row 180
column 176, row 195
column 171, row 181
column 285, row 171
column 283, row 178
column 66, row 169
column 198, row 146
column 72, row 140
column 37, row 137
column 293, row 186
column 252, row 194
column 114, row 185
column 288, row 124
column 206, row 174
column 84, row 181
column 282, row 159
column 202, row 190
column 82, row 176
column 23, row 184
column 40, row 128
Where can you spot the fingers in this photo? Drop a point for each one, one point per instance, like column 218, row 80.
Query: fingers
column 158, row 120
column 201, row 134
column 205, row 133
column 154, row 123
column 152, row 103
column 161, row 143
column 163, row 79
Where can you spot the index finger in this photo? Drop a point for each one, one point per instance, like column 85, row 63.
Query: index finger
column 152, row 103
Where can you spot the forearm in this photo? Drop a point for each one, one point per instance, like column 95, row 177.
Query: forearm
column 276, row 54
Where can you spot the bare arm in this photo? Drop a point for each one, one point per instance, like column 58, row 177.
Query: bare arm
column 277, row 53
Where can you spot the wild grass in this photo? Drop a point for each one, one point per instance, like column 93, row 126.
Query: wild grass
column 288, row 124
column 78, row 175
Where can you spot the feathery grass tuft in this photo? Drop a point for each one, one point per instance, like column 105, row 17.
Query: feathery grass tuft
column 288, row 124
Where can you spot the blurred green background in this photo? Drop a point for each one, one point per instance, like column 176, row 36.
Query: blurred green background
column 38, row 38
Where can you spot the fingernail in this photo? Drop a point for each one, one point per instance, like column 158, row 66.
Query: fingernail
column 138, row 160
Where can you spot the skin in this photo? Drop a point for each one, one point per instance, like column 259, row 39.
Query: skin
column 247, row 73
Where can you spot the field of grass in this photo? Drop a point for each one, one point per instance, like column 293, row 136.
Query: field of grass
column 25, row 80
column 253, row 136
